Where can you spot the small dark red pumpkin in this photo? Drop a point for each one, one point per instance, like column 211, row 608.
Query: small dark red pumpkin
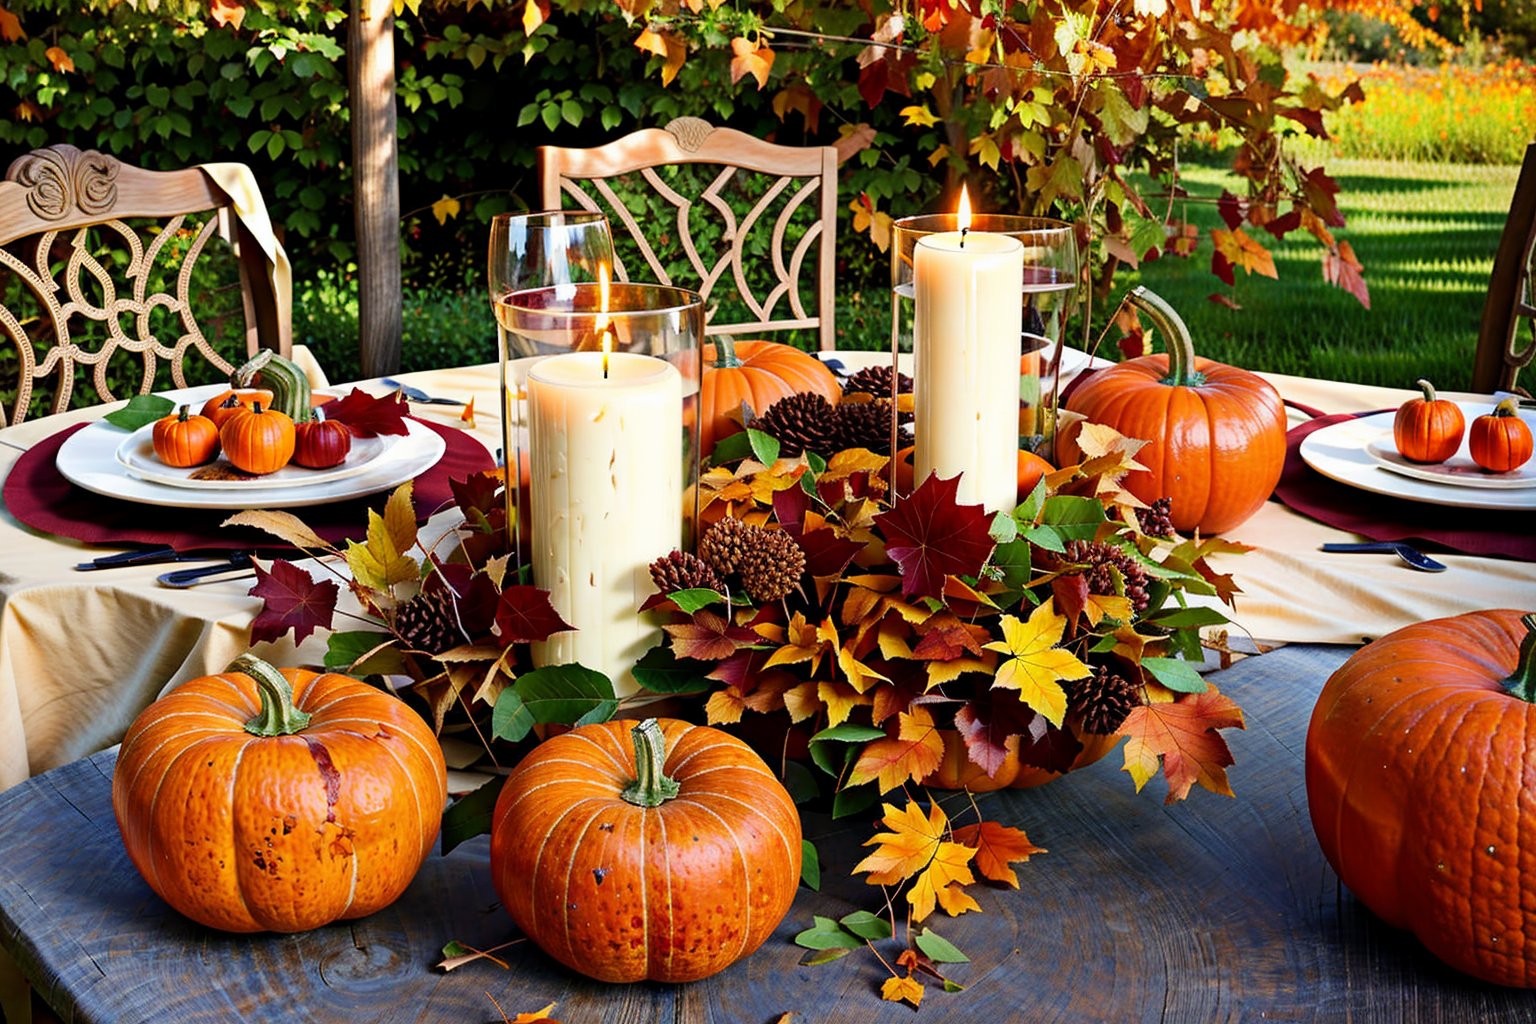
column 321, row 444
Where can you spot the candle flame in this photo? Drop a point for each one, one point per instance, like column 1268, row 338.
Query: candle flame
column 607, row 343
column 602, row 295
column 963, row 213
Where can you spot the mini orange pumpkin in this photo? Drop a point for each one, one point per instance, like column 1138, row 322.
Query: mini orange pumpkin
column 1428, row 429
column 220, row 407
column 1420, row 785
column 258, row 440
column 622, row 873
column 1500, row 441
column 183, row 440
column 757, row 373
column 259, row 800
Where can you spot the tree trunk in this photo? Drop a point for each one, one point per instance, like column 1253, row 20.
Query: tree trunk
column 375, row 183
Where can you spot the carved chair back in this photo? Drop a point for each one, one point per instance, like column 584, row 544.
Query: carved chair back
column 89, row 299
column 747, row 265
column 1507, row 340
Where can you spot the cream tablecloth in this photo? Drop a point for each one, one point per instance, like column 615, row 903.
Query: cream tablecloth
column 81, row 653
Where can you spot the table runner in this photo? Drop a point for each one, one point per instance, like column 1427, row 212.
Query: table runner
column 1507, row 534
column 39, row 496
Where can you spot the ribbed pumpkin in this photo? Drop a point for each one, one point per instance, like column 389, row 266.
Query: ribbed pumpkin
column 1216, row 433
column 657, row 850
column 222, row 406
column 1428, row 429
column 958, row 771
column 757, row 373
column 321, row 444
column 258, row 440
column 1500, row 441
column 1422, row 786
column 259, row 800
column 182, row 439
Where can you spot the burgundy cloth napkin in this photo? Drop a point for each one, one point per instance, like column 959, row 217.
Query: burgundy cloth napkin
column 1509, row 534
column 39, row 496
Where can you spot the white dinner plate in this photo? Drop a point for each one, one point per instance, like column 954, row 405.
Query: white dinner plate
column 137, row 456
column 1340, row 452
column 88, row 459
column 1457, row 471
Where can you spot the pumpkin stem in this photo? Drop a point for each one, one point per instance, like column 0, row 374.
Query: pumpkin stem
column 1522, row 682
column 183, row 414
column 1428, row 389
column 652, row 787
column 1505, row 409
column 279, row 716
column 725, row 352
column 1181, row 349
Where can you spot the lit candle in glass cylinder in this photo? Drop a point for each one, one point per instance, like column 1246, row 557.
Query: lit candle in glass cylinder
column 967, row 321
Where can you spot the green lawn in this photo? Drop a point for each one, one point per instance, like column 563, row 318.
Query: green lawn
column 1426, row 234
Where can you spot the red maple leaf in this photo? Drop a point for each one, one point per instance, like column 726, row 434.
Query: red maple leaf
column 985, row 724
column 931, row 536
column 1321, row 191
column 477, row 493
column 524, row 615
column 1282, row 226
column 367, row 416
column 1045, row 746
column 1231, row 210
column 709, row 637
column 291, row 599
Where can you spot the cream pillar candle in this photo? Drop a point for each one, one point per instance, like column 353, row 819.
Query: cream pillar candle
column 606, row 496
column 966, row 333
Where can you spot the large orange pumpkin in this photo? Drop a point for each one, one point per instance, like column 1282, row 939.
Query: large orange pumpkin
column 757, row 373
column 259, row 800
column 672, row 870
column 1422, row 786
column 1216, row 433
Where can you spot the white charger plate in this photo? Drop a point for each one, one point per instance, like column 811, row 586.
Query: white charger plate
column 1340, row 451
column 137, row 455
column 88, row 459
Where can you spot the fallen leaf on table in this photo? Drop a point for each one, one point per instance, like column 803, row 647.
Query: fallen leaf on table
column 456, row 954
column 897, row 990
column 917, row 846
column 1183, row 734
column 468, row 415
column 996, row 847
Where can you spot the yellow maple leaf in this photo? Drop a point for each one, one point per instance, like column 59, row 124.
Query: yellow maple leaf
column 750, row 59
column 383, row 558
column 896, row 990
column 534, row 15
column 919, row 114
column 724, row 707
column 805, row 643
column 940, row 881
column 802, row 701
column 984, row 147
column 667, row 46
column 940, row 672
column 60, row 60
column 876, row 222
column 445, row 208
column 859, row 675
column 1241, row 250
column 907, row 848
column 911, row 755
column 840, row 700
column 1037, row 663
column 850, row 461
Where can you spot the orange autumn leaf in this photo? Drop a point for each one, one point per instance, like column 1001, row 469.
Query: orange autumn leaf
column 227, row 12
column 1241, row 250
column 751, row 60
column 908, row 989
column 10, row 27
column 996, row 847
column 1183, row 734
column 912, row 755
column 60, row 60
column 667, row 46
column 724, row 707
column 917, row 847
column 467, row 417
column 536, row 1015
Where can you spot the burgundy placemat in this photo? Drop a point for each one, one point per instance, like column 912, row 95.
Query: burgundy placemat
column 1471, row 531
column 37, row 494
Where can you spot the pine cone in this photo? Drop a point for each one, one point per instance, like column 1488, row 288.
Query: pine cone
column 1101, row 701
column 876, row 380
column 772, row 565
column 1157, row 521
column 683, row 571
column 799, row 422
column 1097, row 557
column 862, row 425
column 427, row 622
column 723, row 546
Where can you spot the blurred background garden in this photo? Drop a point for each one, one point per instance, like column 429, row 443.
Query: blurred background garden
column 1424, row 152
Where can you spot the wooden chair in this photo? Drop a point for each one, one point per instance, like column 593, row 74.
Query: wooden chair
column 1511, row 299
column 799, row 175
column 80, row 286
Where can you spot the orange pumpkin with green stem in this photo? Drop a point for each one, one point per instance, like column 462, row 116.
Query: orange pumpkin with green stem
column 657, row 850
column 182, row 439
column 267, row 800
column 258, row 440
column 1422, row 789
column 1500, row 441
column 1428, row 429
column 1216, row 433
column 757, row 374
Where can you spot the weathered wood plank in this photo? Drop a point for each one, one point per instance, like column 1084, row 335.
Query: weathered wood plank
column 1211, row 910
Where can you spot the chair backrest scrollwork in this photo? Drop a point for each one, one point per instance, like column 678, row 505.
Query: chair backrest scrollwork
column 1507, row 340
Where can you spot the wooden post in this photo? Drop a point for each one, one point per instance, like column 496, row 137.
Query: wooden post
column 375, row 183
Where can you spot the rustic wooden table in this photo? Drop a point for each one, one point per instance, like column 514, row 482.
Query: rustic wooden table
column 1211, row 910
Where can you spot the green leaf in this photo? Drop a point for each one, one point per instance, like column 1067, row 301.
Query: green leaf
column 141, row 409
column 1179, row 618
column 817, row 957
column 693, row 599
column 866, row 925
column 800, row 783
column 849, row 802
column 765, row 447
column 731, row 448
column 1045, row 537
column 1013, row 560
column 953, row 986
column 810, row 865
column 831, row 759
column 938, row 948
column 566, row 694
column 343, row 649
column 1073, row 517
column 1004, row 528
column 827, row 934
column 660, row 671
column 1029, row 510
column 816, row 462
column 849, row 732
column 470, row 815
column 551, row 115
column 511, row 721
column 1175, row 673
